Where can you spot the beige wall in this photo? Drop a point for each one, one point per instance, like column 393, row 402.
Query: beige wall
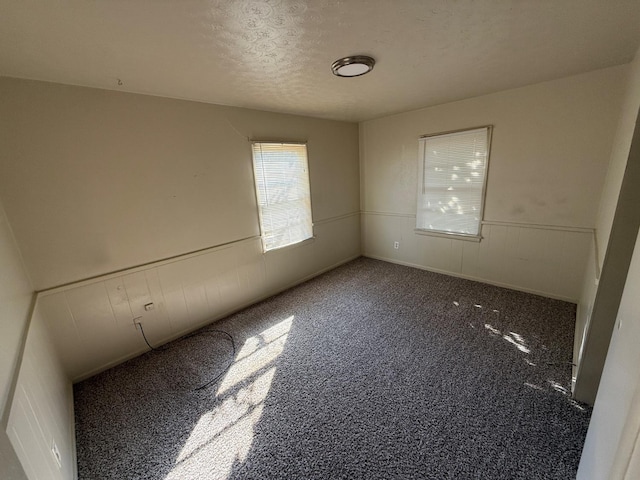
column 587, row 373
column 611, row 448
column 549, row 153
column 96, row 181
column 618, row 159
column 161, row 192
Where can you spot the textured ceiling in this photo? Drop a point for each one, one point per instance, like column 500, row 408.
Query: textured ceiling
column 276, row 54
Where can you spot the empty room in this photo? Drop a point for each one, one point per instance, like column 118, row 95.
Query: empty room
column 319, row 239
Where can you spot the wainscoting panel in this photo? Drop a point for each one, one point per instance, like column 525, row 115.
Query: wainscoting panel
column 92, row 322
column 546, row 260
column 41, row 420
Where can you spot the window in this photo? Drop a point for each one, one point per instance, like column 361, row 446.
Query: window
column 451, row 181
column 282, row 189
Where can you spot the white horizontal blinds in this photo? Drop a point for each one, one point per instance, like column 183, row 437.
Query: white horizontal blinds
column 284, row 199
column 451, row 185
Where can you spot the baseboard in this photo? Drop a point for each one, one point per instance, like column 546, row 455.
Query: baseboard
column 475, row 279
column 212, row 320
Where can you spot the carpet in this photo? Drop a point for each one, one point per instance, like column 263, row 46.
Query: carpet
column 372, row 370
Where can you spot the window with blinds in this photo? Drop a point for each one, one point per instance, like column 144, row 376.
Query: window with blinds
column 451, row 181
column 282, row 189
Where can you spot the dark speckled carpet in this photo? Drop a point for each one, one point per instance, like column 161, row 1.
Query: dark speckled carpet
column 372, row 370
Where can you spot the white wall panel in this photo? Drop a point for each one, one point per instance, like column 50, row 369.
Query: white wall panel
column 92, row 325
column 42, row 409
column 548, row 261
column 615, row 423
column 585, row 305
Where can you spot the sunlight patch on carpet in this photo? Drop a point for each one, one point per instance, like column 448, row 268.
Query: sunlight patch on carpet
column 223, row 437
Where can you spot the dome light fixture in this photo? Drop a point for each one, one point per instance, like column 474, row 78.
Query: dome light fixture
column 353, row 66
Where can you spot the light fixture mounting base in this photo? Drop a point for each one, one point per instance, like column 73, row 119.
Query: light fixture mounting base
column 353, row 66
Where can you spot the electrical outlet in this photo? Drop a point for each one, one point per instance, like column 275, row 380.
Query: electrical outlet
column 396, row 245
column 56, row 453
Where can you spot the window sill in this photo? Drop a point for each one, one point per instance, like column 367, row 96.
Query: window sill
column 306, row 241
column 456, row 236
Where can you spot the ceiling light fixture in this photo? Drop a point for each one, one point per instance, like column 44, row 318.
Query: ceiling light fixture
column 353, row 66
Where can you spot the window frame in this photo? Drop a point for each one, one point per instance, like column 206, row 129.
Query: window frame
column 421, row 163
column 257, row 196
